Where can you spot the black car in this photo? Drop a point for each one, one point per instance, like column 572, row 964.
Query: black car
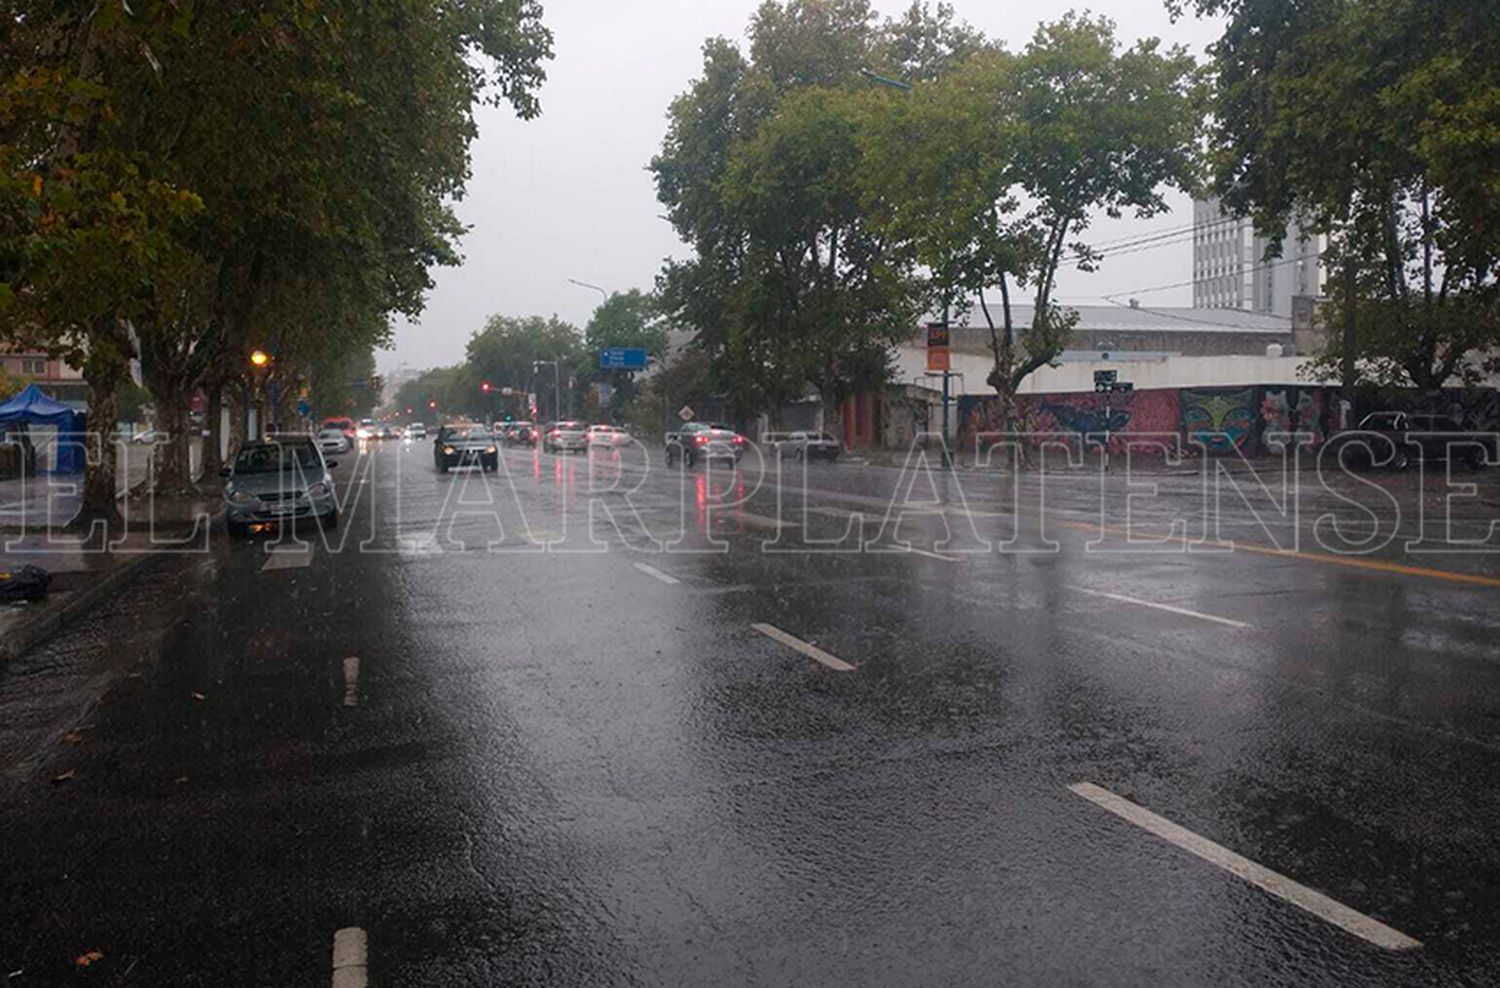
column 1397, row 439
column 465, row 446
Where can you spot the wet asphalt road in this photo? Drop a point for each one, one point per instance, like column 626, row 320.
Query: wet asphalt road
column 514, row 766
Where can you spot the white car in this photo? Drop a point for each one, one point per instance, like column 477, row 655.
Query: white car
column 333, row 441
column 607, row 437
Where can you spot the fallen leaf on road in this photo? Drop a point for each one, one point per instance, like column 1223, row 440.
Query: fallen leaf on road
column 181, row 780
column 70, row 773
column 199, row 696
column 73, row 737
column 84, row 960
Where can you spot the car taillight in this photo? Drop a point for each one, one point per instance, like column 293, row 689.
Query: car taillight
column 739, row 440
column 700, row 440
column 554, row 434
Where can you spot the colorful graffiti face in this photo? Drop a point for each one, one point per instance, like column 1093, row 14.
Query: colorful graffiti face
column 1221, row 422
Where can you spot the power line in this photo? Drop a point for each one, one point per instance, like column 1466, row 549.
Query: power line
column 1113, row 297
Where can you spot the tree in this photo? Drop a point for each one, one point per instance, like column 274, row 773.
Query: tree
column 1373, row 122
column 991, row 174
column 506, row 353
column 787, row 287
column 203, row 166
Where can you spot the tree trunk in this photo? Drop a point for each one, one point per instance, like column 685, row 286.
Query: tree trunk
column 214, row 411
column 239, row 408
column 103, row 369
column 833, row 417
column 173, row 473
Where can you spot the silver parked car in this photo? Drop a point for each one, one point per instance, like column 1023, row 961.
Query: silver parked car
column 811, row 446
column 279, row 482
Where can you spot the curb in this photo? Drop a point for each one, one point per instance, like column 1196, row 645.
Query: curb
column 29, row 634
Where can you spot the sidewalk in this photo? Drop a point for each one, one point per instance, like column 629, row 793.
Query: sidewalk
column 34, row 514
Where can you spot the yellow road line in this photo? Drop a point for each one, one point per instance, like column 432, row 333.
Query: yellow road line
column 1357, row 562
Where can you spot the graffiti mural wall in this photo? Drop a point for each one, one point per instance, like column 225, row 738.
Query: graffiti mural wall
column 1251, row 421
column 1219, row 420
column 1288, row 409
column 1076, row 415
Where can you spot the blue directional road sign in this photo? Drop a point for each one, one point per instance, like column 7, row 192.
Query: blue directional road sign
column 622, row 358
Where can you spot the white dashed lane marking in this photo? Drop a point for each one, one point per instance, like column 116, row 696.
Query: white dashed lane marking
column 1280, row 886
column 657, row 574
column 1163, row 607
column 811, row 651
column 351, row 681
column 288, row 557
column 350, row 958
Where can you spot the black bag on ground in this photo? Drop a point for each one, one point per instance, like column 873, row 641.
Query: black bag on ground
column 26, row 582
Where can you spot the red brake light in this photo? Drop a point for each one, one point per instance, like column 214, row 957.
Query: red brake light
column 739, row 440
column 700, row 439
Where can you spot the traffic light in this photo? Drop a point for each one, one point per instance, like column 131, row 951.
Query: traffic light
column 485, row 387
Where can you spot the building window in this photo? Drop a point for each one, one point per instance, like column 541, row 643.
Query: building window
column 34, row 366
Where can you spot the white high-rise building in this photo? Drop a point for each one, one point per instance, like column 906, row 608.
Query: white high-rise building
column 1231, row 271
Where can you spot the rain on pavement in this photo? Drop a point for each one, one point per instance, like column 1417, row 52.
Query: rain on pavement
column 592, row 721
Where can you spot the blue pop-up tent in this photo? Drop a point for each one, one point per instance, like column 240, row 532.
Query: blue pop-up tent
column 33, row 405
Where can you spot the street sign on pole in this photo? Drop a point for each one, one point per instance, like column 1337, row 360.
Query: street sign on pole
column 622, row 358
column 686, row 413
column 937, row 347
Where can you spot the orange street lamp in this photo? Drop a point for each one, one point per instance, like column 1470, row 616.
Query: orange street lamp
column 260, row 358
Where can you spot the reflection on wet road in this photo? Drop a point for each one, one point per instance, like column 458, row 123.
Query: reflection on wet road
column 582, row 721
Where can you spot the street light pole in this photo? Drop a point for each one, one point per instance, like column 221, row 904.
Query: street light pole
column 556, row 386
column 583, row 284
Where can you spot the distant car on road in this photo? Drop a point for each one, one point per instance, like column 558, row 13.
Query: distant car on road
column 333, row 442
column 343, row 424
column 811, row 446
column 520, row 434
column 465, row 445
column 279, row 482
column 607, row 437
column 416, row 431
column 704, row 441
column 560, row 437
column 1395, row 440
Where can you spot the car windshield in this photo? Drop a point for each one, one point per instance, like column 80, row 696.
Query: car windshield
column 277, row 457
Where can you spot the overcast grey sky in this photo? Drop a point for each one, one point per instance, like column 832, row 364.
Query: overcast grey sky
column 568, row 195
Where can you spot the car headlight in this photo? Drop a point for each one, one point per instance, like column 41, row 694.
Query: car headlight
column 240, row 497
column 489, row 449
column 447, row 450
column 320, row 489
